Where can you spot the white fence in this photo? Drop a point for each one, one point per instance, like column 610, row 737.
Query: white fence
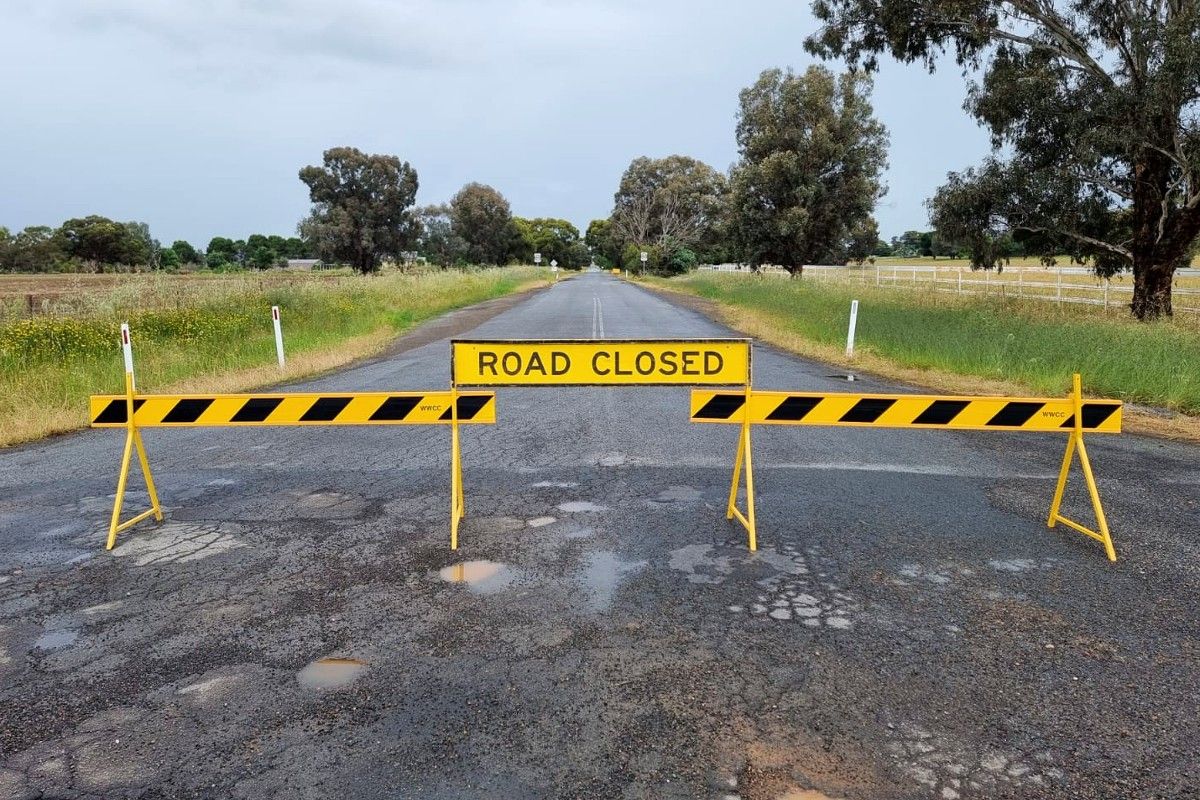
column 1045, row 284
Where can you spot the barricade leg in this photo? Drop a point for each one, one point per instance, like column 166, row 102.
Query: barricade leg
column 1075, row 443
column 744, row 455
column 457, row 503
column 133, row 439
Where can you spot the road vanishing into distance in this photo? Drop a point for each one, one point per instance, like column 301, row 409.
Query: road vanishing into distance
column 299, row 628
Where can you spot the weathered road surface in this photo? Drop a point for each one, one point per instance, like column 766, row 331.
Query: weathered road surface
column 909, row 629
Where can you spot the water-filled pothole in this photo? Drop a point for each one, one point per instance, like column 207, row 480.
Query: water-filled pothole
column 56, row 639
column 331, row 673
column 483, row 577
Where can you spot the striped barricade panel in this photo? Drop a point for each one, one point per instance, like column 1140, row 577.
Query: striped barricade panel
column 905, row 411
column 330, row 408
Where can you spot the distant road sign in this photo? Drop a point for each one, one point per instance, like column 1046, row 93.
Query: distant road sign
column 653, row 362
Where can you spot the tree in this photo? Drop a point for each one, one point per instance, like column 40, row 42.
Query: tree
column 1092, row 110
column 220, row 252
column 100, row 241
column 811, row 153
column 556, row 239
column 148, row 247
column 863, row 240
column 34, row 249
column 169, row 258
column 361, row 207
column 482, row 218
column 295, row 247
column 670, row 202
column 436, row 239
column 601, row 238
column 186, row 253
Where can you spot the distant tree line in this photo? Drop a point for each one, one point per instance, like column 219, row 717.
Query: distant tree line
column 99, row 244
column 364, row 214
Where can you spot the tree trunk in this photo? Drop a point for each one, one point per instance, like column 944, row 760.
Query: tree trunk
column 1152, row 291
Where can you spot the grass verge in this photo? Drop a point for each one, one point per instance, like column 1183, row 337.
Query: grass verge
column 972, row 345
column 216, row 338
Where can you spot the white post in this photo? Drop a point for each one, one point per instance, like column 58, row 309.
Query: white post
column 877, row 275
column 853, row 326
column 1060, row 286
column 1106, row 282
column 127, row 350
column 1021, row 283
column 960, row 280
column 278, row 335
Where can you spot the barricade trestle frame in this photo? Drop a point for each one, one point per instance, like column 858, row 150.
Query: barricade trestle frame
column 134, row 411
column 744, row 407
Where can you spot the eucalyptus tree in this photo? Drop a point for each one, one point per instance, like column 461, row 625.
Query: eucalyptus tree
column 811, row 154
column 361, row 207
column 1092, row 106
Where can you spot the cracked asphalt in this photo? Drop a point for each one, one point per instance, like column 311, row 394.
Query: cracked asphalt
column 908, row 629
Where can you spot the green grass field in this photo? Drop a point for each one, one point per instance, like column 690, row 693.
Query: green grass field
column 1025, row 343
column 214, row 335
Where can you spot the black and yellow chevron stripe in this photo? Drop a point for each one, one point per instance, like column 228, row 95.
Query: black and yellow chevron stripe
column 905, row 411
column 359, row 408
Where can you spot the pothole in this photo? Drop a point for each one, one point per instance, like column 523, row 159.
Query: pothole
column 331, row 673
column 482, row 577
column 581, row 506
column 56, row 639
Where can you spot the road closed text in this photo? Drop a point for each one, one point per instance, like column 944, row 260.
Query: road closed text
column 559, row 363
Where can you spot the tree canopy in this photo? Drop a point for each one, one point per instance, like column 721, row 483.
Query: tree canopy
column 482, row 219
column 669, row 203
column 811, row 153
column 556, row 239
column 100, row 241
column 361, row 207
column 1093, row 110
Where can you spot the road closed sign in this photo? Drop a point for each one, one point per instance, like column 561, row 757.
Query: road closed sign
column 572, row 362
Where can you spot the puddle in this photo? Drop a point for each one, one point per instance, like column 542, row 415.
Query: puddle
column 331, row 673
column 805, row 794
column 56, row 640
column 482, row 577
column 541, row 522
column 580, row 506
column 850, row 378
column 602, row 574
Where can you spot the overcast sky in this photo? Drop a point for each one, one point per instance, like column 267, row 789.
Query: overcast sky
column 195, row 115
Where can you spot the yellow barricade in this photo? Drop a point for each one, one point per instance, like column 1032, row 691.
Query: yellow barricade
column 134, row 411
column 1072, row 415
column 327, row 408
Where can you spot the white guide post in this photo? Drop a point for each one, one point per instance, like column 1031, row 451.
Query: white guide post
column 127, row 350
column 853, row 326
column 278, row 335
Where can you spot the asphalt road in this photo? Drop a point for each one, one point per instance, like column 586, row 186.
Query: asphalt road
column 908, row 629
